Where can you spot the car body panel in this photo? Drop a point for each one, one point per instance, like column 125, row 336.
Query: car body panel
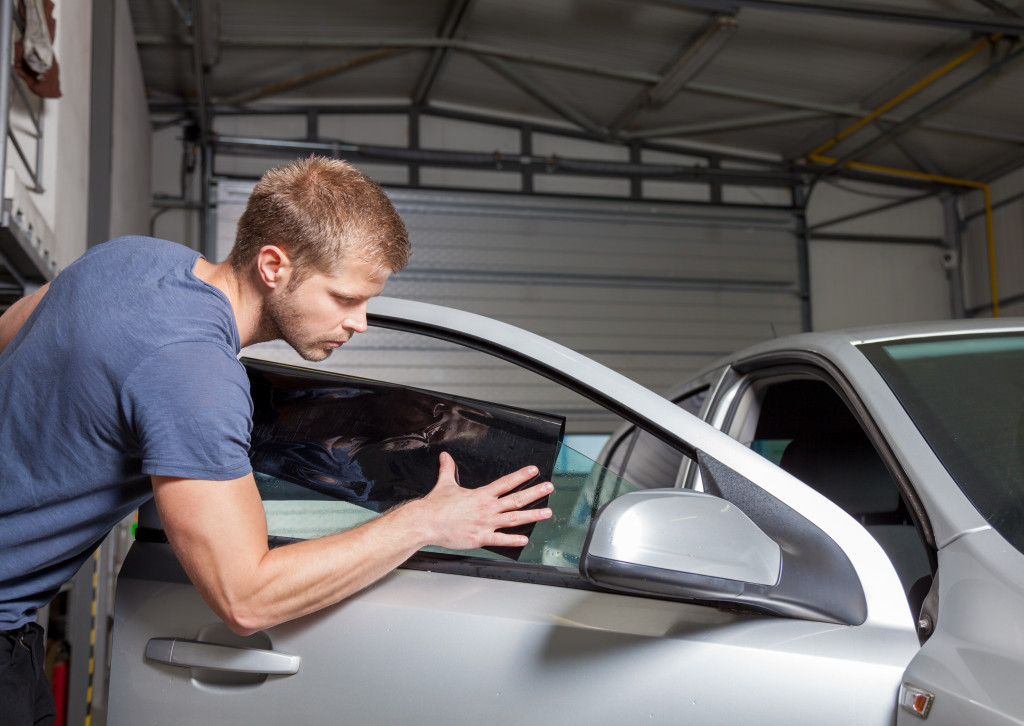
column 432, row 648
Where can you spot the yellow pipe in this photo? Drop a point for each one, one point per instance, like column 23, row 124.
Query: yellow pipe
column 816, row 156
column 989, row 229
column 891, row 103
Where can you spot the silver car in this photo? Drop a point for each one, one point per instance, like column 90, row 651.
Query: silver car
column 826, row 528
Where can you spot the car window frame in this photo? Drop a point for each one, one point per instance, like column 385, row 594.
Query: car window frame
column 745, row 372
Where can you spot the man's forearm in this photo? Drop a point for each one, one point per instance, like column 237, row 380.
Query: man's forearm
column 301, row 578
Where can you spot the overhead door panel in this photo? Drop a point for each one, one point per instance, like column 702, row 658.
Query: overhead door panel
column 655, row 291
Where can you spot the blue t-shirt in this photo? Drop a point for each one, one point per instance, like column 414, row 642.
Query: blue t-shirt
column 127, row 368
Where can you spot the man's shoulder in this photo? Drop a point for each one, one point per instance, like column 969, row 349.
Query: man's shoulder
column 140, row 248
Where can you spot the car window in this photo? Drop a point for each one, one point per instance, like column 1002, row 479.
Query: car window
column 582, row 487
column 297, row 510
column 646, row 460
column 801, row 423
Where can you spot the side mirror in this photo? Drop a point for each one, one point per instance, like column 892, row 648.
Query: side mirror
column 680, row 542
column 743, row 548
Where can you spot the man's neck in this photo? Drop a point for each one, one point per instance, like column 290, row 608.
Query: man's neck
column 246, row 304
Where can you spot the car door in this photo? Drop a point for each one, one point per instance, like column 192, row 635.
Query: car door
column 481, row 636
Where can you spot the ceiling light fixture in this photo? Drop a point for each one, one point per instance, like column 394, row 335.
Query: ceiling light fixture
column 693, row 58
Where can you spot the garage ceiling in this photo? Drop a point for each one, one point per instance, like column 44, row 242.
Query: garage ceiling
column 777, row 77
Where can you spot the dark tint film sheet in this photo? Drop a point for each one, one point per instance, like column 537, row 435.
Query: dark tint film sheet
column 377, row 444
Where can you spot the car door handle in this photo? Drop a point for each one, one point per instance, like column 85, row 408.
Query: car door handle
column 197, row 654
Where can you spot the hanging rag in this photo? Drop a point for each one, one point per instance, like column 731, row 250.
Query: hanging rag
column 34, row 59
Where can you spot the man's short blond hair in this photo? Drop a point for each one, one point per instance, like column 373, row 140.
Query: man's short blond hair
column 321, row 212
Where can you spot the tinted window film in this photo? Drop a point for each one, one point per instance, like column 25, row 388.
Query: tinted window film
column 966, row 396
column 377, row 444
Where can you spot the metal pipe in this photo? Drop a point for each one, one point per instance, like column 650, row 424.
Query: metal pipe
column 998, row 205
column 6, row 38
column 901, row 97
column 726, row 124
column 850, row 111
column 306, row 78
column 879, row 238
column 952, row 181
column 454, row 16
column 891, row 131
column 803, row 256
column 199, row 75
column 549, row 164
column 990, row 233
column 864, row 11
column 834, row 163
column 867, row 212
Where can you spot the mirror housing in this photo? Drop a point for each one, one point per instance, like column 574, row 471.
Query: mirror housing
column 742, row 548
column 694, row 542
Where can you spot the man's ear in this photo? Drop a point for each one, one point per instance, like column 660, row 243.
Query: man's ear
column 273, row 266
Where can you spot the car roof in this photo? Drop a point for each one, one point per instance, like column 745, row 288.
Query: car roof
column 839, row 344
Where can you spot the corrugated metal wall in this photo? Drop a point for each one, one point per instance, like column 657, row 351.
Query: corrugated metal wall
column 1008, row 223
column 653, row 291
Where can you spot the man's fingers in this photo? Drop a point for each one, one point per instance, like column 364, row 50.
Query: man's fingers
column 507, row 483
column 518, row 517
column 448, row 468
column 518, row 500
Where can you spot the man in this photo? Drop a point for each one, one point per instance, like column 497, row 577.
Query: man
column 119, row 381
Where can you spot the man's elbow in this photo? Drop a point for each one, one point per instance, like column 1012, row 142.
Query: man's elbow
column 243, row 620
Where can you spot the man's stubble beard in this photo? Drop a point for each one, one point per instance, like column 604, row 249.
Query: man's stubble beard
column 279, row 320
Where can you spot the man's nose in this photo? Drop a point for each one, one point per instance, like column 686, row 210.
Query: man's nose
column 356, row 320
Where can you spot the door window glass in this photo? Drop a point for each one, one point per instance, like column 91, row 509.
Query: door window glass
column 646, row 460
column 805, row 427
column 298, row 510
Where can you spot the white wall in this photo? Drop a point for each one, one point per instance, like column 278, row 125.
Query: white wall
column 856, row 283
column 1008, row 225
column 62, row 207
column 60, row 212
column 130, row 156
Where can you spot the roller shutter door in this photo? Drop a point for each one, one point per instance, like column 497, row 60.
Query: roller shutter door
column 655, row 291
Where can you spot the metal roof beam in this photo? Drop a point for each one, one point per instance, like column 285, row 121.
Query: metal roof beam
column 837, row 110
column 864, row 11
column 999, row 8
column 552, row 62
column 550, row 100
column 456, row 13
column 920, row 113
column 732, row 124
column 465, row 46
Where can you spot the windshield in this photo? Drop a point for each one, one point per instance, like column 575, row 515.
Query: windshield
column 966, row 396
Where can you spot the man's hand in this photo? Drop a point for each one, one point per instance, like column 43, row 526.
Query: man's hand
column 464, row 519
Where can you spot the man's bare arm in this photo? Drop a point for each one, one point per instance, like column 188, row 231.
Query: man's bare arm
column 218, row 531
column 16, row 315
